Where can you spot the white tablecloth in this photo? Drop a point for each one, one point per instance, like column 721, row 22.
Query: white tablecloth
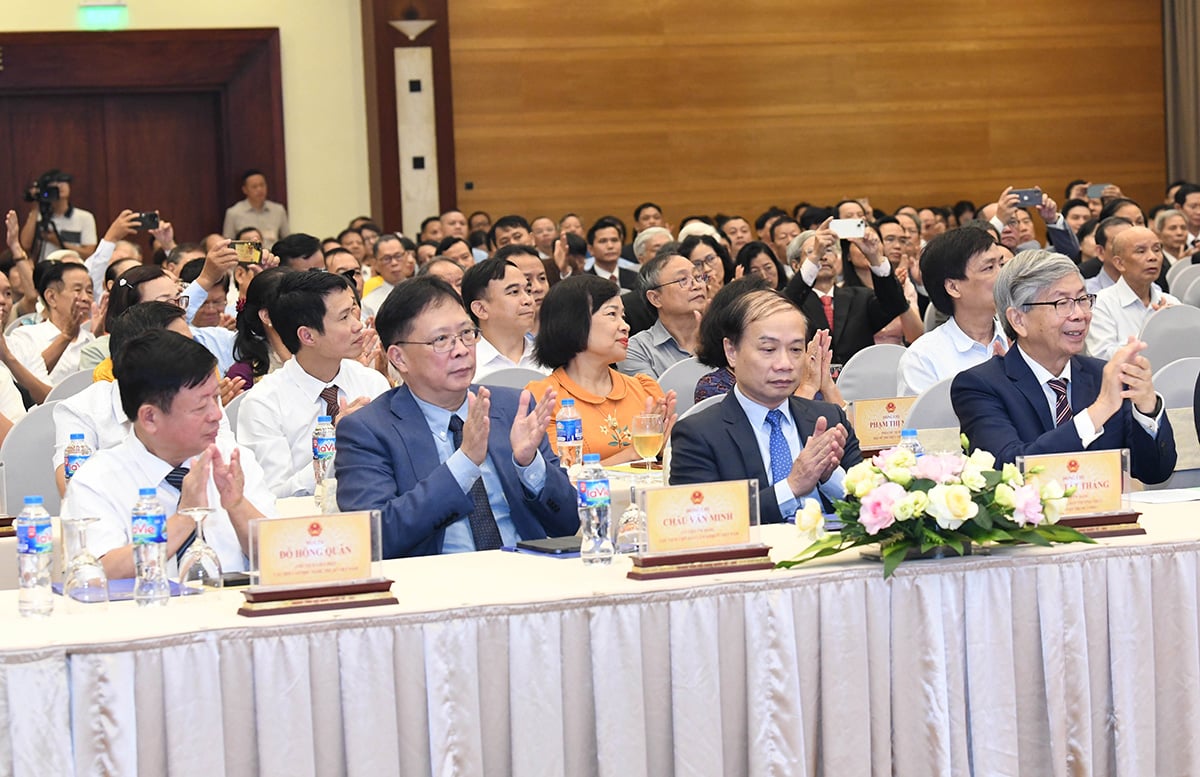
column 1033, row 662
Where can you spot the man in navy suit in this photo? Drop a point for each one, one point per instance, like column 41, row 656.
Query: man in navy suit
column 796, row 448
column 1043, row 396
column 453, row 467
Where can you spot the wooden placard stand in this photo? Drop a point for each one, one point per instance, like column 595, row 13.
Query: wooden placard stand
column 1123, row 524
column 701, row 562
column 335, row 596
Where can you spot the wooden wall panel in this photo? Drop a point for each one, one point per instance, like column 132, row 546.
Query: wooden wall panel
column 704, row 106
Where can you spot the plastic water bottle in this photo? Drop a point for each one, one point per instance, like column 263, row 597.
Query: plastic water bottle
column 595, row 500
column 35, row 545
column 324, row 445
column 76, row 454
column 150, row 550
column 568, row 428
column 909, row 441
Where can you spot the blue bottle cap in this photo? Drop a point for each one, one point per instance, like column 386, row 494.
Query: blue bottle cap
column 324, row 419
column 591, row 458
column 76, row 435
column 147, row 492
column 568, row 403
column 33, row 500
column 908, row 432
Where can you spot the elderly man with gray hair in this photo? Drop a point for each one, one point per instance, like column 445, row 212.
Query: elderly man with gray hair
column 1044, row 395
column 678, row 290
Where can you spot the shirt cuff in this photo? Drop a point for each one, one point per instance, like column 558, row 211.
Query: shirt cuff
column 1145, row 421
column 788, row 502
column 196, row 295
column 808, row 272
column 533, row 477
column 881, row 270
column 835, row 486
column 997, row 223
column 465, row 471
column 1087, row 432
column 1059, row 223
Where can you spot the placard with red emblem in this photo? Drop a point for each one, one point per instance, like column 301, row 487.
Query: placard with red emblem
column 878, row 422
column 1100, row 478
column 699, row 515
column 311, row 550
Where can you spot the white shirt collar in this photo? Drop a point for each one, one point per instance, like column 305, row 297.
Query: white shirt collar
column 1041, row 373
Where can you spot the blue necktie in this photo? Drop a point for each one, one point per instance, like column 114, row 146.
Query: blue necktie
column 781, row 455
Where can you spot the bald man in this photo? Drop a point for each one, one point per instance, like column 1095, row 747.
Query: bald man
column 1122, row 309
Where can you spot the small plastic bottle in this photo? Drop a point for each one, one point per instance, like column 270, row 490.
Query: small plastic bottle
column 149, row 529
column 909, row 441
column 324, row 445
column 35, row 546
column 595, row 501
column 568, row 428
column 76, row 454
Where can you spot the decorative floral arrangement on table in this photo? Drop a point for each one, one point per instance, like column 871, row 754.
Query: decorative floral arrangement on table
column 913, row 505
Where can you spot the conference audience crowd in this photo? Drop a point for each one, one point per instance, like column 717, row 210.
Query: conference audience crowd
column 443, row 357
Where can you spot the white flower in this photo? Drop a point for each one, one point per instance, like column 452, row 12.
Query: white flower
column 912, row 506
column 982, row 459
column 899, row 475
column 862, row 478
column 1005, row 496
column 1054, row 501
column 1011, row 475
column 810, row 522
column 951, row 505
column 971, row 477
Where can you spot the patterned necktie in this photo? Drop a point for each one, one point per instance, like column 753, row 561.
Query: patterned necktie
column 827, row 303
column 1062, row 408
column 174, row 479
column 330, row 395
column 781, row 455
column 483, row 523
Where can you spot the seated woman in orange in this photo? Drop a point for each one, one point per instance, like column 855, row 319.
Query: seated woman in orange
column 581, row 332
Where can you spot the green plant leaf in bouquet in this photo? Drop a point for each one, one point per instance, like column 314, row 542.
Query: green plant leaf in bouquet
column 1057, row 532
column 893, row 554
column 983, row 518
column 826, row 546
column 921, row 484
column 992, row 478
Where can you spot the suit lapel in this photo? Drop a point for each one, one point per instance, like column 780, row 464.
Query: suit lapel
column 411, row 426
column 1020, row 374
column 841, row 314
column 1085, row 385
column 743, row 437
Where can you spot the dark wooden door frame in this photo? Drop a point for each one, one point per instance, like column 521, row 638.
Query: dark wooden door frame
column 241, row 65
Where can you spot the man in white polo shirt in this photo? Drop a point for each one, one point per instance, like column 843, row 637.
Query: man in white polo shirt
column 317, row 317
column 50, row 349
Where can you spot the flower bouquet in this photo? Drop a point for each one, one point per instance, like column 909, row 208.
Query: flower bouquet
column 912, row 506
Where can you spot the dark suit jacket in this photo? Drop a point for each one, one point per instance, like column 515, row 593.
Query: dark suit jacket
column 627, row 279
column 717, row 443
column 858, row 312
column 1002, row 409
column 386, row 460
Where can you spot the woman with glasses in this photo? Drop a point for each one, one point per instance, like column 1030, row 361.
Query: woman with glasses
column 757, row 258
column 708, row 254
column 581, row 349
column 140, row 283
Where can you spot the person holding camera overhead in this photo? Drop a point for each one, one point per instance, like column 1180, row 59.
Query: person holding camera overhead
column 53, row 222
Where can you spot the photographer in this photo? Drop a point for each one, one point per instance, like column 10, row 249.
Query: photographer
column 61, row 224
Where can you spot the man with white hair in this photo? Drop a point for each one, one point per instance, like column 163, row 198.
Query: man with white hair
column 648, row 241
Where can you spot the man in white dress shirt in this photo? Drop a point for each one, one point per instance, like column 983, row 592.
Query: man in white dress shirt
column 394, row 262
column 1121, row 309
column 959, row 268
column 50, row 350
column 496, row 295
column 96, row 412
column 169, row 392
column 318, row 319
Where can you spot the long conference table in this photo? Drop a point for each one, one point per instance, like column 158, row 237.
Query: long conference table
column 1075, row 660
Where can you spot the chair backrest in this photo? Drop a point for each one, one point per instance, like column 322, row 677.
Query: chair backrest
column 1177, row 381
column 698, row 406
column 70, row 385
column 681, row 377
column 512, row 377
column 871, row 373
column 932, row 319
column 26, row 453
column 1181, row 274
column 231, row 411
column 1189, row 295
column 932, row 410
column 1171, row 334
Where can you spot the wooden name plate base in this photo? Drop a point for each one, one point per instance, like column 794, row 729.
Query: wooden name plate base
column 701, row 562
column 6, row 527
column 335, row 596
column 1107, row 525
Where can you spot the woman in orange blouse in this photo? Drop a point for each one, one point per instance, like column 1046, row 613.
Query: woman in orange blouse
column 581, row 332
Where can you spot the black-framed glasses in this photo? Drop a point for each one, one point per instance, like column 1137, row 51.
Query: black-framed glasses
column 1065, row 307
column 445, row 343
column 352, row 273
column 685, row 282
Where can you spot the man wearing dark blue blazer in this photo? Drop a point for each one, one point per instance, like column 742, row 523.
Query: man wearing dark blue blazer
column 796, row 448
column 1043, row 396
column 453, row 467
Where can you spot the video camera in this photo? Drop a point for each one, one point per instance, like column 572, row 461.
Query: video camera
column 45, row 189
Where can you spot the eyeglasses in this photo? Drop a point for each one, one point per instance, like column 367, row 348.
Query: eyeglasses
column 388, row 258
column 445, row 343
column 352, row 273
column 180, row 301
column 1065, row 307
column 707, row 261
column 685, row 282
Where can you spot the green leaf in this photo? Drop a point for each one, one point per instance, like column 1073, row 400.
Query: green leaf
column 992, row 478
column 1057, row 532
column 892, row 556
column 826, row 546
column 921, row 484
column 983, row 518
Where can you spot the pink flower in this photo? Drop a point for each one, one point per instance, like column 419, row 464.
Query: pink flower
column 1028, row 510
column 877, row 512
column 939, row 467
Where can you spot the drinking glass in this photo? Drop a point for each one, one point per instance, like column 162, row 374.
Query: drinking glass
column 648, row 439
column 199, row 568
column 84, row 581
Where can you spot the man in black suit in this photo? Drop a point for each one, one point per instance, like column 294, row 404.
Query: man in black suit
column 796, row 448
column 853, row 314
column 604, row 241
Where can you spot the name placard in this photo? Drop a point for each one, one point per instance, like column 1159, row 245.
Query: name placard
column 878, row 422
column 309, row 550
column 699, row 516
column 1098, row 478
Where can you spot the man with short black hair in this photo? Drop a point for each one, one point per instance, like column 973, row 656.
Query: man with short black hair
column 496, row 294
column 341, row 262
column 68, row 227
column 452, row 469
column 169, row 393
column 783, row 232
column 317, row 317
column 50, row 349
column 454, row 224
column 302, row 252
column 270, row 218
column 1101, row 273
column 393, row 263
column 509, row 230
column 604, row 240
column 1187, row 198
column 431, row 229
column 535, row 271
